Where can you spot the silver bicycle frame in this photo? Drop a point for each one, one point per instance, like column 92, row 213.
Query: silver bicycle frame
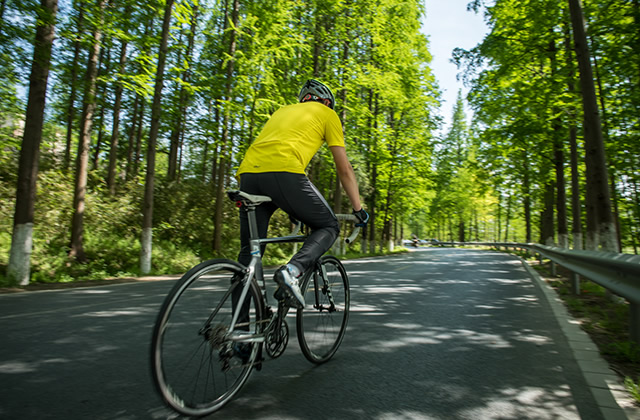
column 255, row 265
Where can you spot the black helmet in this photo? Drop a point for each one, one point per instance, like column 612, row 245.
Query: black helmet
column 316, row 91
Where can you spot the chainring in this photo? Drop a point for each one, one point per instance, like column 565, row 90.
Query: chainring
column 276, row 340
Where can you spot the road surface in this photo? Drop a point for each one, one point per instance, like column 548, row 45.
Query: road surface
column 433, row 334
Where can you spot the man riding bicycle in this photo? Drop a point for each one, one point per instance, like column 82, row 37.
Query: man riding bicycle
column 275, row 164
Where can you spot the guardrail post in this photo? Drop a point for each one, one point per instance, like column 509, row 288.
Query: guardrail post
column 554, row 272
column 575, row 283
column 634, row 324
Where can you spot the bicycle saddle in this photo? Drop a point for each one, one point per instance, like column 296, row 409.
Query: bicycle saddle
column 246, row 198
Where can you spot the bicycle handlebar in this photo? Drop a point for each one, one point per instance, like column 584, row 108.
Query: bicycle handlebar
column 356, row 230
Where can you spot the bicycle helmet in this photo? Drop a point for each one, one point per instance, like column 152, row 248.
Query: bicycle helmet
column 316, row 91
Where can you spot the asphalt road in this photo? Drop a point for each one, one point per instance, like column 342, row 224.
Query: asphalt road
column 433, row 334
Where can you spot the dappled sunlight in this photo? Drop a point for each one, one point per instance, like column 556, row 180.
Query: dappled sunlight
column 524, row 299
column 449, row 281
column 529, row 337
column 120, row 312
column 407, row 335
column 108, row 314
column 90, row 291
column 526, row 402
column 367, row 309
column 392, row 289
column 18, row 367
column 489, row 307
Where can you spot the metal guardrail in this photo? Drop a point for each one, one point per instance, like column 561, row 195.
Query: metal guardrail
column 619, row 273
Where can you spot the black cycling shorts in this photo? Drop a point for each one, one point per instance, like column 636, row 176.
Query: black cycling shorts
column 298, row 197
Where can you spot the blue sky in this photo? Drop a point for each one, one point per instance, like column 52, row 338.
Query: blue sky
column 448, row 25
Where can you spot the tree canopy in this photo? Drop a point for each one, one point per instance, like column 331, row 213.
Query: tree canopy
column 145, row 124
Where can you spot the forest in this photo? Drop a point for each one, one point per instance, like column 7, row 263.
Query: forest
column 122, row 124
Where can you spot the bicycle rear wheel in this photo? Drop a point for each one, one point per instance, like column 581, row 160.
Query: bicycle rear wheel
column 196, row 367
column 322, row 323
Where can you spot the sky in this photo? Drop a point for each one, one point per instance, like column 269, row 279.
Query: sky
column 448, row 25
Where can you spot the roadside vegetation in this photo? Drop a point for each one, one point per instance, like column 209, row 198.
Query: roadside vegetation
column 605, row 319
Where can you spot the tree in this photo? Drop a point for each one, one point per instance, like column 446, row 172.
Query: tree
column 82, row 158
column 18, row 270
column 598, row 194
column 147, row 208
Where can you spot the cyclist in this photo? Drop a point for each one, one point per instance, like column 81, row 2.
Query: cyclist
column 274, row 165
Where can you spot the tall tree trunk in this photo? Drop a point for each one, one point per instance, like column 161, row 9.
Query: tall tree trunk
column 576, row 204
column 178, row 128
column 337, row 196
column 546, row 218
column 222, row 168
column 130, row 138
column 113, row 144
column 507, row 219
column 71, row 109
column 19, row 269
column 598, row 195
column 526, row 186
column 101, row 104
column 82, row 159
column 373, row 169
column 558, row 152
column 147, row 208
column 605, row 134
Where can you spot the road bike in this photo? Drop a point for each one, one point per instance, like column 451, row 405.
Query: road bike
column 217, row 322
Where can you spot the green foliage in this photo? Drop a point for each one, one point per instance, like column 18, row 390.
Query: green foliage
column 626, row 351
column 633, row 388
column 472, row 182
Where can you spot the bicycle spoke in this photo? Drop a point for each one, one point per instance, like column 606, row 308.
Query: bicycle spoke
column 195, row 364
column 321, row 326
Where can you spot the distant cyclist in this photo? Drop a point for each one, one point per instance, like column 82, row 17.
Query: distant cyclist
column 275, row 164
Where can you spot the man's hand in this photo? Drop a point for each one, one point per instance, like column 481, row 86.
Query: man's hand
column 362, row 216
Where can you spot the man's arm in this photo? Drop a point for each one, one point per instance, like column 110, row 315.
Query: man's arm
column 347, row 176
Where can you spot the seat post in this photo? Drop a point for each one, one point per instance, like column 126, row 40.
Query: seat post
column 253, row 224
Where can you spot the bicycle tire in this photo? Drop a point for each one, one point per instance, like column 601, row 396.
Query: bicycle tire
column 321, row 327
column 196, row 368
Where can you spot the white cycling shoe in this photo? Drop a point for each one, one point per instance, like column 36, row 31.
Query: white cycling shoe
column 285, row 279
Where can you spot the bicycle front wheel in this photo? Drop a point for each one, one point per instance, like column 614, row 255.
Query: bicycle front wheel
column 322, row 323
column 197, row 367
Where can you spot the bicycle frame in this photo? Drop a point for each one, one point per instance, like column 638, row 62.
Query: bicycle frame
column 254, row 269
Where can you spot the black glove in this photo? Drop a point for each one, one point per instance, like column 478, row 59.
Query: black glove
column 362, row 216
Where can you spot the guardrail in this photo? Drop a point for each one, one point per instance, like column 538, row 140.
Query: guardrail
column 619, row 273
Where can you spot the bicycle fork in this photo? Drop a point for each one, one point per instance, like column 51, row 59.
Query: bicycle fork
column 325, row 289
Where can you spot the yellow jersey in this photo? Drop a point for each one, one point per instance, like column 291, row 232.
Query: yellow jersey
column 291, row 137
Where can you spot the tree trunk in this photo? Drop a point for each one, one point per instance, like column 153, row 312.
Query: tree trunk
column 113, row 146
column 598, row 195
column 82, row 159
column 507, row 220
column 526, row 186
column 71, row 110
column 147, row 208
column 217, row 233
column 546, row 218
column 337, row 196
column 561, row 192
column 576, row 204
column 130, row 140
column 101, row 104
column 19, row 268
column 183, row 97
